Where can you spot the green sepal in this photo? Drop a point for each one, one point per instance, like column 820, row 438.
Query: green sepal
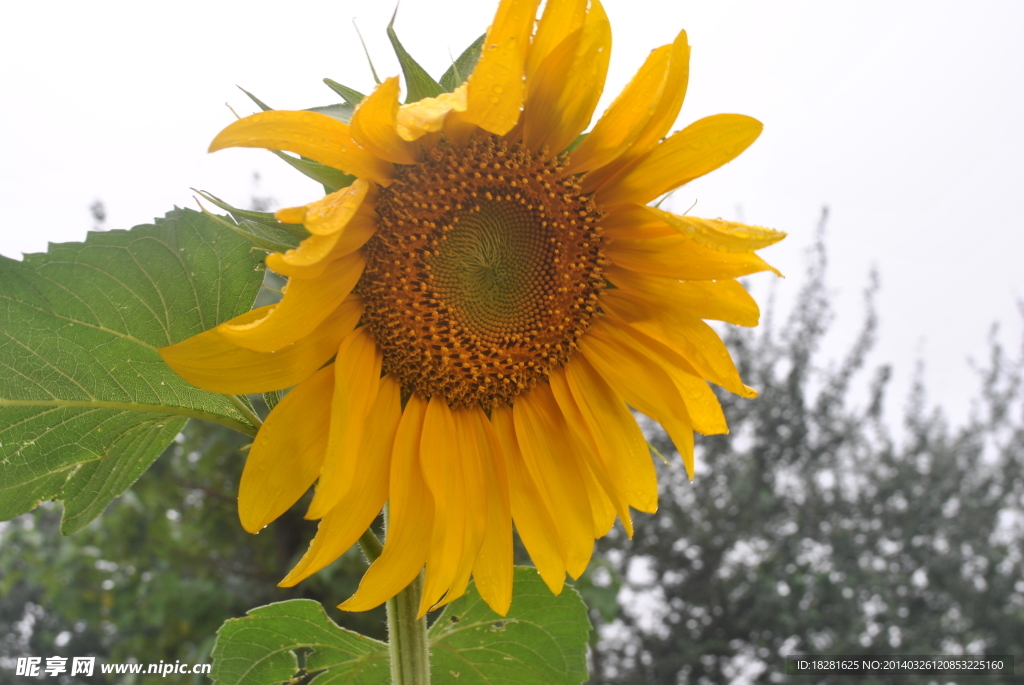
column 463, row 66
column 350, row 96
column 265, row 218
column 262, row 237
column 259, row 103
column 418, row 83
column 332, row 179
column 342, row 111
column 576, row 143
column 273, row 398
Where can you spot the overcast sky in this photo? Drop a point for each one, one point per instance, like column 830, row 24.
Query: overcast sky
column 905, row 118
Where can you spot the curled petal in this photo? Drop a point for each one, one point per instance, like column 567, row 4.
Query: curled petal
column 375, row 125
column 306, row 303
column 331, row 213
column 211, row 362
column 310, row 134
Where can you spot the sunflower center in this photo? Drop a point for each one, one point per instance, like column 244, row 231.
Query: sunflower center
column 484, row 272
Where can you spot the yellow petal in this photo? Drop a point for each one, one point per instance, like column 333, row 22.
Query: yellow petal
column 620, row 439
column 475, row 492
column 702, row 406
column 532, row 517
column 541, row 432
column 641, row 381
column 559, row 20
column 441, row 460
column 725, row 236
column 285, row 457
column 329, row 214
column 356, row 381
column 211, row 362
column 410, row 518
column 495, row 89
column 724, row 300
column 310, row 134
column 624, row 121
column 606, row 496
column 674, row 256
column 671, row 100
column 343, row 525
column 315, row 253
column 701, row 147
column 562, row 96
column 648, row 128
column 429, row 114
column 306, row 303
column 375, row 125
column 492, row 570
column 685, row 334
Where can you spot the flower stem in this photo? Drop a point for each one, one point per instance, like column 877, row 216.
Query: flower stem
column 407, row 637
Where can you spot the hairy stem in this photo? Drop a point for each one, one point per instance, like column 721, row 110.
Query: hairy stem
column 407, row 637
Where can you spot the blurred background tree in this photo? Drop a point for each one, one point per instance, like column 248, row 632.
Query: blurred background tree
column 813, row 527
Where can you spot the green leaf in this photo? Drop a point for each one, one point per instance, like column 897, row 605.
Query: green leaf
column 349, row 95
column 86, row 402
column 263, row 648
column 418, row 83
column 460, row 70
column 542, row 641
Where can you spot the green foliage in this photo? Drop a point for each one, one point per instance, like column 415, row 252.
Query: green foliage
column 86, row 403
column 542, row 641
column 264, row 648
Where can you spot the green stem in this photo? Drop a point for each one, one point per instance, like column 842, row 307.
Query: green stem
column 371, row 545
column 407, row 637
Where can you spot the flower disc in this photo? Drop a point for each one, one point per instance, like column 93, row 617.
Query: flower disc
column 484, row 273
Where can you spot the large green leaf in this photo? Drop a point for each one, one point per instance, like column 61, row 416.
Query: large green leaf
column 264, row 648
column 542, row 641
column 86, row 403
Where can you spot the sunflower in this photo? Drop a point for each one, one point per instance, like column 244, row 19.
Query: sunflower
column 469, row 322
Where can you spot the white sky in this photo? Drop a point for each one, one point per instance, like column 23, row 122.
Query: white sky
column 906, row 118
